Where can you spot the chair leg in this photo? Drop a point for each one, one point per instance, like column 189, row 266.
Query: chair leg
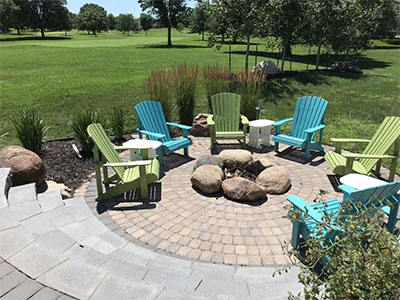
column 161, row 159
column 295, row 234
column 186, row 151
column 276, row 147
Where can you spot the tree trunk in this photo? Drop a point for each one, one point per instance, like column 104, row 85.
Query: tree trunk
column 128, row 32
column 18, row 32
column 169, row 36
column 202, row 35
column 288, row 48
column 318, row 56
column 66, row 33
column 223, row 38
column 247, row 53
column 283, row 58
column 94, row 33
column 42, row 32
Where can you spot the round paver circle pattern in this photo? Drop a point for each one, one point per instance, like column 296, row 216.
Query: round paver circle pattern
column 188, row 224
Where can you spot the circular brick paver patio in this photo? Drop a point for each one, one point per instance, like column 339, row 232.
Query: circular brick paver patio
column 186, row 223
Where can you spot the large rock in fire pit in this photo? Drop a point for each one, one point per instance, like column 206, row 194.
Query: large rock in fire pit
column 237, row 158
column 239, row 188
column 275, row 179
column 261, row 163
column 208, row 160
column 199, row 126
column 208, row 178
column 26, row 166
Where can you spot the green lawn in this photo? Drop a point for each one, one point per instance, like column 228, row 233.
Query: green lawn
column 62, row 75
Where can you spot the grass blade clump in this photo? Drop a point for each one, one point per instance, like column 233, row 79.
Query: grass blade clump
column 216, row 80
column 30, row 129
column 158, row 85
column 184, row 79
column 79, row 125
column 251, row 88
column 117, row 122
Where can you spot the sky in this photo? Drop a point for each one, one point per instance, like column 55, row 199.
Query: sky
column 113, row 6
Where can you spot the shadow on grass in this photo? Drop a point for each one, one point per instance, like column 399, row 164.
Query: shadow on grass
column 171, row 47
column 34, row 38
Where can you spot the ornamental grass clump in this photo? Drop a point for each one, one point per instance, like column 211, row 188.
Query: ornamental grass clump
column 117, row 122
column 79, row 125
column 159, row 88
column 29, row 129
column 251, row 87
column 184, row 81
column 216, row 80
column 363, row 262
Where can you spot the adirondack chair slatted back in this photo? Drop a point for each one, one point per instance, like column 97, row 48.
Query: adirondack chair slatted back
column 226, row 111
column 151, row 118
column 99, row 137
column 309, row 113
column 374, row 195
column 387, row 133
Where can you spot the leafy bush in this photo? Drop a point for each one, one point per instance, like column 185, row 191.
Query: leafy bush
column 184, row 81
column 159, row 88
column 30, row 129
column 216, row 80
column 117, row 122
column 363, row 261
column 251, row 88
column 79, row 125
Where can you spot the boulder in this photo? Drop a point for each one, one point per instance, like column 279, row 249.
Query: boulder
column 26, row 166
column 235, row 158
column 346, row 67
column 239, row 188
column 261, row 163
column 199, row 126
column 208, row 160
column 208, row 178
column 266, row 67
column 275, row 179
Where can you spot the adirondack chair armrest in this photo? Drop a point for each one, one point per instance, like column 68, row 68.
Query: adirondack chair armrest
column 132, row 148
column 210, row 121
column 314, row 129
column 183, row 127
column 304, row 207
column 129, row 164
column 346, row 188
column 360, row 155
column 158, row 136
column 244, row 120
column 279, row 124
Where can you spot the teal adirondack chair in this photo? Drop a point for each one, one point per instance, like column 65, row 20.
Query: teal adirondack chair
column 152, row 123
column 368, row 197
column 308, row 119
column 128, row 175
column 224, row 122
column 387, row 134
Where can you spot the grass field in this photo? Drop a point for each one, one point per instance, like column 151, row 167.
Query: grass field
column 62, row 75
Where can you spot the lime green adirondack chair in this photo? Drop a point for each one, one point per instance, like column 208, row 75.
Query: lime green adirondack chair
column 224, row 122
column 128, row 175
column 387, row 134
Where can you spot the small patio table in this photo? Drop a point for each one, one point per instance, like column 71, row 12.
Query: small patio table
column 260, row 132
column 135, row 154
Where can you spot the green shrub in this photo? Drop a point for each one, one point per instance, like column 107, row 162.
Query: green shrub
column 30, row 129
column 216, row 80
column 117, row 122
column 79, row 125
column 251, row 88
column 158, row 86
column 184, row 81
column 364, row 260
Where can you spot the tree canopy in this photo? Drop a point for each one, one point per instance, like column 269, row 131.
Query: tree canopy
column 93, row 18
column 127, row 23
column 146, row 22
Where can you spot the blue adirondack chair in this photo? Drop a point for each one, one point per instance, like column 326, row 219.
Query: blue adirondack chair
column 152, row 123
column 368, row 197
column 307, row 120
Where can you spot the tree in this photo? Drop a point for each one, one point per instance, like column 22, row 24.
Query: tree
column 126, row 23
column 8, row 13
column 218, row 24
column 111, row 21
column 389, row 23
column 200, row 18
column 92, row 18
column 47, row 15
column 146, row 22
column 169, row 13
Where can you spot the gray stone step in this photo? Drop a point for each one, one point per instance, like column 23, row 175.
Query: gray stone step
column 5, row 184
column 50, row 200
column 22, row 193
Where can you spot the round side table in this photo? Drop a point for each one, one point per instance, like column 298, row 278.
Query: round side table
column 260, row 131
column 138, row 143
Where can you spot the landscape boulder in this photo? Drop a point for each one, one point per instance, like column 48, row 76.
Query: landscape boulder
column 208, row 178
column 208, row 160
column 239, row 188
column 26, row 166
column 266, row 67
column 237, row 158
column 346, row 67
column 261, row 163
column 275, row 179
column 199, row 126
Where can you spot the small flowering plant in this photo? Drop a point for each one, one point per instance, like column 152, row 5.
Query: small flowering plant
column 350, row 256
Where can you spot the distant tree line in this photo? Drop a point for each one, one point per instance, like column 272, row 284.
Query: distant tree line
column 53, row 15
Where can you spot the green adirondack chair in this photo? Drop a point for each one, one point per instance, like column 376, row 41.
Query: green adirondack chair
column 308, row 119
column 224, row 122
column 128, row 175
column 387, row 134
column 312, row 215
